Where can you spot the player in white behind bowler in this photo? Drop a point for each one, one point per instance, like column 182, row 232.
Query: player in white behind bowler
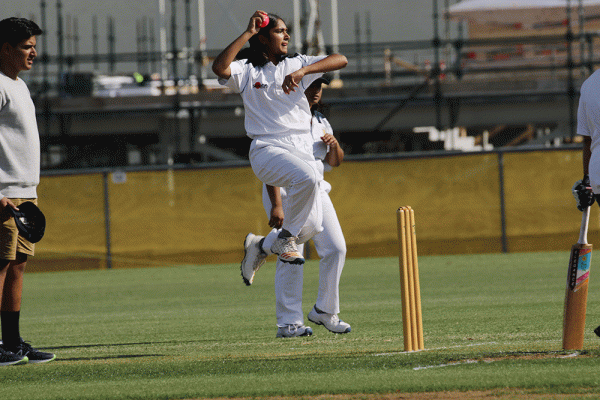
column 330, row 243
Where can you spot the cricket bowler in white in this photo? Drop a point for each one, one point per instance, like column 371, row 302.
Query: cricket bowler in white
column 277, row 119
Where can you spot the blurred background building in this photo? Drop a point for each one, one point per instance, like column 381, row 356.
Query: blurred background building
column 465, row 110
column 474, row 76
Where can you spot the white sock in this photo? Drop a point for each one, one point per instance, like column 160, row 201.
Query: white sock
column 269, row 240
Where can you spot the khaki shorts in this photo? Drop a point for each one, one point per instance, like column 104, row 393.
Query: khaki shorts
column 11, row 242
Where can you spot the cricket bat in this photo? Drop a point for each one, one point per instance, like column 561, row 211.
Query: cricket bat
column 577, row 288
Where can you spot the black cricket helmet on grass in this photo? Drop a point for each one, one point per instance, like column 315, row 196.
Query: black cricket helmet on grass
column 30, row 221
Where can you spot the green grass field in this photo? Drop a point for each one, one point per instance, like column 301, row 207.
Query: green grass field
column 490, row 322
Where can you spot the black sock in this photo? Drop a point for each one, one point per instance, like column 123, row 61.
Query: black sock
column 10, row 327
column 284, row 234
column 260, row 245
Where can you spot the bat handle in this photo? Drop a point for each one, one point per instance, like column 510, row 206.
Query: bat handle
column 583, row 232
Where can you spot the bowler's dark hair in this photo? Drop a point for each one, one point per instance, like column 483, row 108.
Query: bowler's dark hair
column 14, row 30
column 257, row 52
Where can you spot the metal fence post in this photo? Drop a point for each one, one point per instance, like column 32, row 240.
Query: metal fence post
column 504, row 239
column 105, row 175
column 570, row 66
column 438, row 97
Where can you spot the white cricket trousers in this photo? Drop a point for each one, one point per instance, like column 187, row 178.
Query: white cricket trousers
column 287, row 162
column 331, row 249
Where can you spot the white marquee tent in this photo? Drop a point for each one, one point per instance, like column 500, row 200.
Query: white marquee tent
column 526, row 12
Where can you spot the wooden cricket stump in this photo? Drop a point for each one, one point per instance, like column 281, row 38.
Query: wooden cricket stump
column 409, row 281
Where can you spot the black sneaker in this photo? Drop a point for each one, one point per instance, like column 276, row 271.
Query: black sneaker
column 24, row 349
column 10, row 358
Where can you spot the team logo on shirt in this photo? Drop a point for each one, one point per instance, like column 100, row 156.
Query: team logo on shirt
column 259, row 85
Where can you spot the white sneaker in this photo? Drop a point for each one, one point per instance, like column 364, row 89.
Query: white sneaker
column 254, row 257
column 329, row 321
column 294, row 331
column 287, row 250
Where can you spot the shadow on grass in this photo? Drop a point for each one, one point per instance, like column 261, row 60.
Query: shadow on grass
column 115, row 357
column 108, row 357
column 86, row 346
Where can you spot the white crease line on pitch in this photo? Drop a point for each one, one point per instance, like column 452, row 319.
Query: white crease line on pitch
column 452, row 364
column 434, row 349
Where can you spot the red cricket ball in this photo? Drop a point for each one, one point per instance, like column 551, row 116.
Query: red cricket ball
column 265, row 21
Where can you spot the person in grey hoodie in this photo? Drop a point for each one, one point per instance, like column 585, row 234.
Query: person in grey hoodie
column 19, row 177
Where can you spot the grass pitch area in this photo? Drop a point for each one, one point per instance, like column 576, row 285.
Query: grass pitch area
column 492, row 323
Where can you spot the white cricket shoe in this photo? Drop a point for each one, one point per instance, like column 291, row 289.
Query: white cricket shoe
column 287, row 250
column 254, row 257
column 294, row 330
column 329, row 321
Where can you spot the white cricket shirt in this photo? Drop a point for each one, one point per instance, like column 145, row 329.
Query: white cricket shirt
column 318, row 128
column 268, row 109
column 588, row 124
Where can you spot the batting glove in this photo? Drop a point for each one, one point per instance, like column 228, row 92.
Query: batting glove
column 583, row 195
